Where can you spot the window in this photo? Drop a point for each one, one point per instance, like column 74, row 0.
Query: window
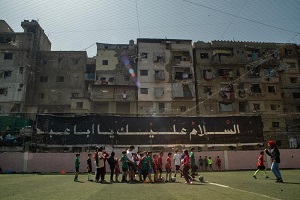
column 60, row 79
column 161, row 107
column 226, row 107
column 76, row 61
column 293, row 79
column 45, row 62
column 8, row 56
column 288, row 51
column 143, row 72
column 43, row 79
column 3, row 91
column 298, row 108
column 271, row 89
column 273, row 107
column 59, row 60
column 79, row 104
column 255, row 88
column 177, row 59
column 256, row 106
column 207, row 89
column 253, row 72
column 74, row 95
column 275, row 124
column 126, row 78
column 144, row 90
column 105, row 47
column 242, row 106
column 296, row 95
column 144, row 55
column 21, row 85
column 41, row 95
column 104, row 62
column 269, row 72
column 226, row 73
column 182, row 108
column 204, row 55
column 7, row 74
column 21, row 69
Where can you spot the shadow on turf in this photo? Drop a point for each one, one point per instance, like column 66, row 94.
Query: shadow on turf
column 293, row 183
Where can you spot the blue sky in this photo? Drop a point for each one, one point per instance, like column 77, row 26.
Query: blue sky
column 78, row 25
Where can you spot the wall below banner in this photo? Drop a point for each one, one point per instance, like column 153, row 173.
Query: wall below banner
column 57, row 162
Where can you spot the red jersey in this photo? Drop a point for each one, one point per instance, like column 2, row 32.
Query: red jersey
column 218, row 161
column 186, row 160
column 140, row 164
column 117, row 167
column 260, row 161
column 168, row 163
column 159, row 162
column 154, row 163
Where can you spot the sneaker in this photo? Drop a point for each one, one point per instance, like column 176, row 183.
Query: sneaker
column 254, row 176
column 267, row 177
column 279, row 181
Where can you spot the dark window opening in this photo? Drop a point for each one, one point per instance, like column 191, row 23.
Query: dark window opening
column 144, row 90
column 242, row 106
column 76, row 61
column 273, row 107
column 21, row 70
column 45, row 62
column 41, row 95
column 204, row 55
column 296, row 95
column 104, row 62
column 60, row 79
column 144, row 55
column 7, row 74
column 271, row 89
column 253, row 72
column 143, row 72
column 3, row 91
column 294, row 79
column 43, row 79
column 79, row 104
column 8, row 56
column 256, row 106
column 182, row 108
column 275, row 124
column 255, row 88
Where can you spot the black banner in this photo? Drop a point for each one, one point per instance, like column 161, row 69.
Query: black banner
column 115, row 130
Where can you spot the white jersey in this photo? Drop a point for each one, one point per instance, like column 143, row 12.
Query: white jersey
column 177, row 159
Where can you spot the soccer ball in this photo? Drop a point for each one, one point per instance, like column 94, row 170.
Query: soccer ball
column 201, row 178
column 173, row 179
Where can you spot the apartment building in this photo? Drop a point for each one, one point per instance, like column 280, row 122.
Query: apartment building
column 60, row 83
column 114, row 90
column 245, row 78
column 166, row 77
column 18, row 52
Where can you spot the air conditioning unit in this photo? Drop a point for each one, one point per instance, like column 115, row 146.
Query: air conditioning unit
column 124, row 96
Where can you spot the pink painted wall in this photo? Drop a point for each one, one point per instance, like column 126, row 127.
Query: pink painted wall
column 12, row 161
column 55, row 162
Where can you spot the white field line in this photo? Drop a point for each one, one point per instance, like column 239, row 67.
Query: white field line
column 225, row 186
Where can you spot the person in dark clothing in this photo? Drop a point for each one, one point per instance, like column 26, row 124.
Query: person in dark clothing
column 112, row 164
column 89, row 167
column 275, row 156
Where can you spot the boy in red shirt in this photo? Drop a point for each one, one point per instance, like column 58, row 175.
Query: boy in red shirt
column 155, row 171
column 218, row 162
column 260, row 165
column 168, row 167
column 159, row 165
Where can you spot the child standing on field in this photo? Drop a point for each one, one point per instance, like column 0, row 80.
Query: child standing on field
column 210, row 162
column 117, row 170
column 218, row 162
column 77, row 163
column 168, row 167
column 260, row 165
column 124, row 160
column 89, row 167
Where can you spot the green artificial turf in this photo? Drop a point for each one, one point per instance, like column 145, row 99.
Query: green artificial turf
column 219, row 185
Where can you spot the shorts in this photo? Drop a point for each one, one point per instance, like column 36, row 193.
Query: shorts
column 77, row 169
column 168, row 170
column 154, row 170
column 124, row 169
column 139, row 171
column 130, row 166
column 149, row 171
column 261, row 167
column 159, row 170
column 177, row 167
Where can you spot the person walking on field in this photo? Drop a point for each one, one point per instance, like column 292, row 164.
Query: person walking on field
column 205, row 163
column 275, row 156
column 260, row 165
column 201, row 162
column 210, row 162
column 218, row 162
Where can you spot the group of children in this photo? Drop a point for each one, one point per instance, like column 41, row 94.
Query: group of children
column 137, row 167
column 206, row 163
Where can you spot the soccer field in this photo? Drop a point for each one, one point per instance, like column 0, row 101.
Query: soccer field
column 217, row 185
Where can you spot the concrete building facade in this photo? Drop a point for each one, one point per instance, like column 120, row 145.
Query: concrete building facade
column 166, row 76
column 114, row 89
column 17, row 64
